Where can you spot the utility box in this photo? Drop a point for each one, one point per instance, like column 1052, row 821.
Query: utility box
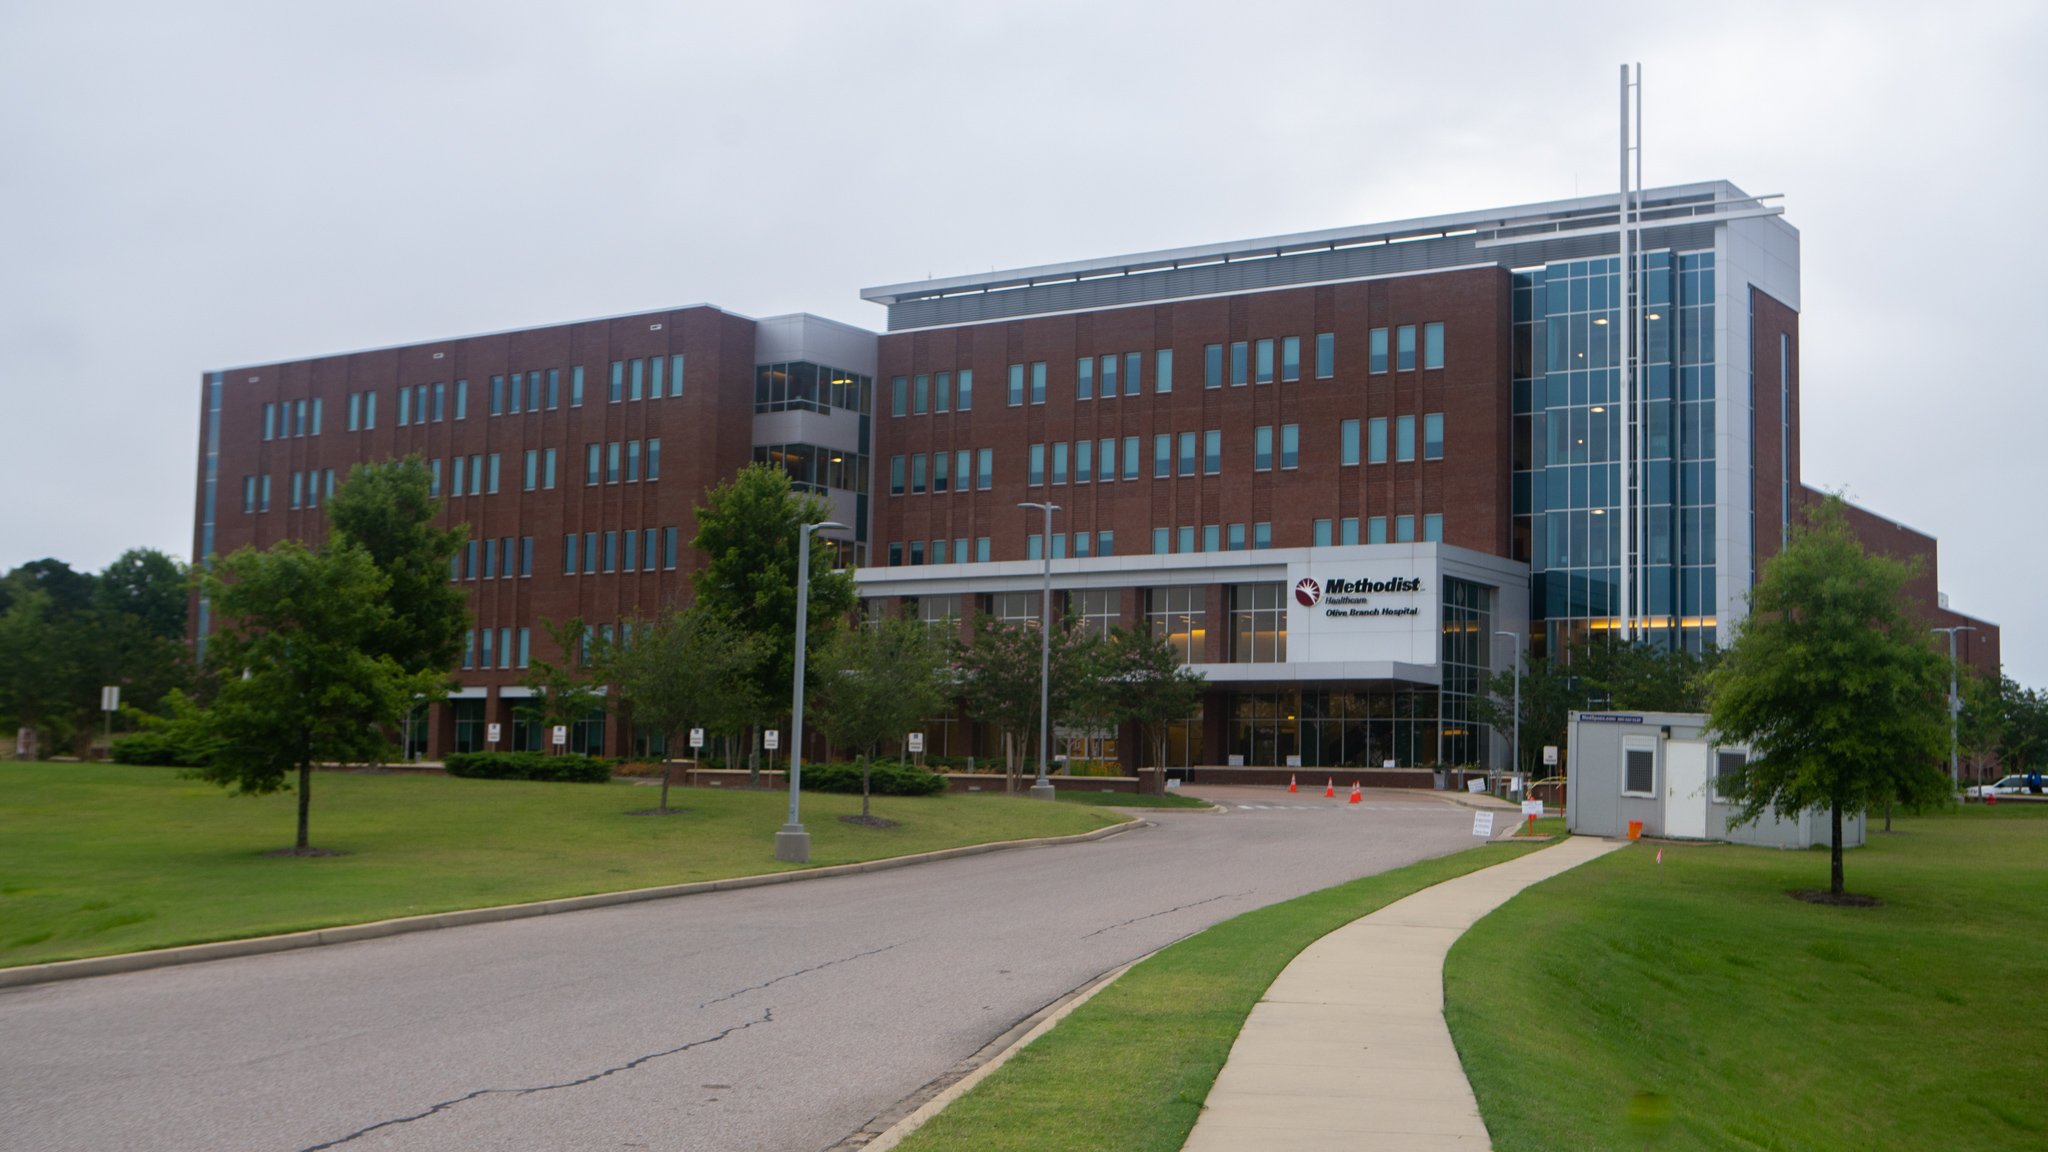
column 1660, row 768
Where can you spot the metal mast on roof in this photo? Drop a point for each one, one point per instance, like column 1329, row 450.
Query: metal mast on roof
column 1631, row 505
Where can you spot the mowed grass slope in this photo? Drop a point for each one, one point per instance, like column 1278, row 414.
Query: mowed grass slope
column 1762, row 1022
column 98, row 859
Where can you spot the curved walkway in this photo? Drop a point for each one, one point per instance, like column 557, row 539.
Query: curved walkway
column 1348, row 1049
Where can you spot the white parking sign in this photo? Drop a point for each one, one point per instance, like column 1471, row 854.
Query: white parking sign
column 561, row 735
column 771, row 739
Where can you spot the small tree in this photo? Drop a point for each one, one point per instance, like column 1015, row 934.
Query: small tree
column 1834, row 686
column 687, row 666
column 1145, row 684
column 1549, row 694
column 876, row 682
column 747, row 531
column 999, row 676
column 564, row 690
column 1641, row 677
column 299, row 684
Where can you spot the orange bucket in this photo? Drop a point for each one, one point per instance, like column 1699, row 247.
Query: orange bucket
column 1635, row 829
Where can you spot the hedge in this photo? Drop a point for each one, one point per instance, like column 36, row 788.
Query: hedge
column 528, row 766
column 885, row 777
column 162, row 749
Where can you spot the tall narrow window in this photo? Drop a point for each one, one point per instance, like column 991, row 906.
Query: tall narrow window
column 1262, row 448
column 1326, row 355
column 1347, row 530
column 899, row 396
column 899, row 471
column 941, row 469
column 1322, row 536
column 966, row 390
column 942, row 392
column 369, row 411
column 554, row 392
column 1162, row 456
column 1084, row 378
column 985, row 469
column 269, row 421
column 548, row 468
column 494, row 474
column 1264, row 367
column 1347, row 442
column 1134, row 363
column 1240, row 364
column 1016, row 385
column 1433, row 345
column 1290, row 446
column 1212, row 366
column 632, row 461
column 1433, row 527
column 440, row 401
column 592, row 463
column 920, row 394
column 1262, row 535
column 1131, row 462
column 316, row 415
column 1404, row 529
column 355, row 411
column 1404, row 438
column 1034, row 472
column 530, row 474
column 458, row 466
column 1376, row 351
column 1376, row 530
column 1290, row 358
column 1162, row 370
column 575, row 390
column 569, row 554
column 1059, row 462
column 657, row 367
column 631, row 561
column 1433, row 436
column 1038, row 382
column 618, row 386
column 668, row 548
column 1376, row 440
column 1187, row 453
column 638, row 380
column 612, row 456
column 1084, row 461
column 1161, row 543
column 497, row 398
column 611, row 551
column 512, row 397
column 917, row 462
column 1404, row 348
column 1109, row 368
column 654, row 459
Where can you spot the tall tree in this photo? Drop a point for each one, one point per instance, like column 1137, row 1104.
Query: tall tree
column 687, row 668
column 35, row 682
column 748, row 531
column 386, row 510
column 1834, row 686
column 300, row 682
column 876, row 682
column 149, row 586
column 1145, row 684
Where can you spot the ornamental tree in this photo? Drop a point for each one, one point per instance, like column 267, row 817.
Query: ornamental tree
column 1833, row 684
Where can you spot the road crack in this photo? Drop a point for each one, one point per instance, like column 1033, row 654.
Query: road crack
column 800, row 972
column 766, row 1017
column 1167, row 912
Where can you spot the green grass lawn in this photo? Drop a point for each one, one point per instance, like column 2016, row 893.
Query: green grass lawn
column 1129, row 1069
column 97, row 859
column 1762, row 1022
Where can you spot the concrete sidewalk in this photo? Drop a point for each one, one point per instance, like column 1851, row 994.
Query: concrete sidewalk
column 1348, row 1048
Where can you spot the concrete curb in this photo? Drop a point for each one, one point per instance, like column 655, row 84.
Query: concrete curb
column 28, row 974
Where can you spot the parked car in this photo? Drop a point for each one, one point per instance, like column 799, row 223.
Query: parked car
column 2005, row 786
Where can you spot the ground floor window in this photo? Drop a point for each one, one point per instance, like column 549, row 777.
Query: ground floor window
column 469, row 725
column 586, row 736
column 1361, row 728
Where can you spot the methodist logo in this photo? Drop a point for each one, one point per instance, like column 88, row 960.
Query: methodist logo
column 1362, row 587
column 1308, row 592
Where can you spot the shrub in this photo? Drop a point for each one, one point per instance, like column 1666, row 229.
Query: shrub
column 157, row 748
column 528, row 766
column 885, row 778
column 176, row 739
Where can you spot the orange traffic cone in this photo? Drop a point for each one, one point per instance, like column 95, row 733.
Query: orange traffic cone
column 1290, row 784
column 1356, row 798
column 1330, row 789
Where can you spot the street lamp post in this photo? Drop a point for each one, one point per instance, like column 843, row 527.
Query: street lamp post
column 1516, row 760
column 1955, row 704
column 1043, row 789
column 793, row 843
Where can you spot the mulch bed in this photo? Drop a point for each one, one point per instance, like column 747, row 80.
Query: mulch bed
column 868, row 821
column 305, row 852
column 1845, row 900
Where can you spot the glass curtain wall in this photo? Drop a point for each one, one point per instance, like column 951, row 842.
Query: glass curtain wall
column 1567, row 446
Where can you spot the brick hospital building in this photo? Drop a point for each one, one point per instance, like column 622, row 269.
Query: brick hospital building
column 1347, row 473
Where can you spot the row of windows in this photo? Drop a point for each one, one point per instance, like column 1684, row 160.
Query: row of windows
column 1240, row 362
column 308, row 490
column 633, row 550
column 1077, row 462
column 510, row 395
column 469, row 475
column 495, row 558
column 495, row 647
column 806, row 387
column 813, row 467
column 291, row 419
column 607, row 463
column 1188, row 538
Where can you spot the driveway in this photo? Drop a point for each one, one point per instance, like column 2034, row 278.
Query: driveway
column 775, row 1018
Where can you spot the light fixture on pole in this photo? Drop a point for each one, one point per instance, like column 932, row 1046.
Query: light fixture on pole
column 1516, row 760
column 793, row 843
column 1043, row 789
column 1955, row 703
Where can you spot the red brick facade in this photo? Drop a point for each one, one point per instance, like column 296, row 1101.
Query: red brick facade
column 1469, row 486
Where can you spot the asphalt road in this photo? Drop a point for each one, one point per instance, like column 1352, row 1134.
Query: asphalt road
column 779, row 1018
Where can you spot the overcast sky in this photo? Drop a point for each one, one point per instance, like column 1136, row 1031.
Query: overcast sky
column 194, row 186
